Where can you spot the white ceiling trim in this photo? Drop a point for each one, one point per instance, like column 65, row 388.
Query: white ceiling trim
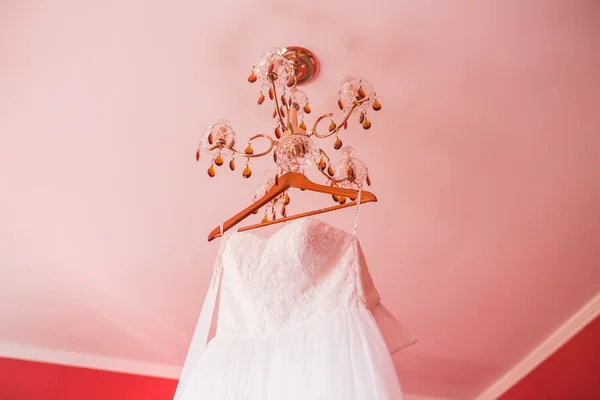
column 93, row 361
column 557, row 339
column 112, row 364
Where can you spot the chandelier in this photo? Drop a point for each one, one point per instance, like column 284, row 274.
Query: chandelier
column 292, row 144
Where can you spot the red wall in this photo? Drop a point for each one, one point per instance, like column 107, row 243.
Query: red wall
column 572, row 373
column 23, row 380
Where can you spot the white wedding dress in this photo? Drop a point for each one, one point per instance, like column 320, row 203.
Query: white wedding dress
column 299, row 318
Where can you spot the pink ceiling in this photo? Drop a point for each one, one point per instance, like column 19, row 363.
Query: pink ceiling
column 484, row 159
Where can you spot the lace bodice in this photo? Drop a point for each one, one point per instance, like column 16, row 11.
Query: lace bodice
column 305, row 269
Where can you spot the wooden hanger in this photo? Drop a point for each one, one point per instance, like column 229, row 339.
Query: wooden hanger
column 286, row 181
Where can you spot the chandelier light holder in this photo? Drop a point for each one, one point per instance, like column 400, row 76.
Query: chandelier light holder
column 293, row 148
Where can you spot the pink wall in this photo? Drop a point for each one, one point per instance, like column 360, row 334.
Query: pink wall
column 573, row 372
column 24, row 380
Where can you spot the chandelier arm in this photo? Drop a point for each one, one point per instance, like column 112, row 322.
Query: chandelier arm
column 325, row 155
column 277, row 110
column 329, row 178
column 244, row 154
column 313, row 131
column 325, row 174
column 337, row 128
column 328, row 160
column 332, row 179
column 355, row 104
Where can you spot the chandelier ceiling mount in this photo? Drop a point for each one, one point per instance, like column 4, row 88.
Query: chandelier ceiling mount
column 305, row 63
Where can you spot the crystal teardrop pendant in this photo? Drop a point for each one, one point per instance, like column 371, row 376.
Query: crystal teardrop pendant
column 291, row 82
column 271, row 68
column 307, row 109
column 198, row 155
column 277, row 180
column 376, row 105
column 249, row 150
column 350, row 174
column 275, row 156
column 219, row 160
column 247, row 172
column 332, row 126
column 361, row 92
column 284, row 100
column 286, row 199
column 278, row 133
column 255, row 212
column 274, row 113
column 271, row 93
column 335, row 198
column 322, row 165
column 342, row 200
column 232, row 164
column 211, row 138
column 346, row 125
column 366, row 124
column 340, row 104
column 337, row 144
column 330, row 171
column 265, row 219
column 368, row 180
column 361, row 117
column 252, row 77
column 283, row 213
column 261, row 98
column 302, row 125
column 211, row 171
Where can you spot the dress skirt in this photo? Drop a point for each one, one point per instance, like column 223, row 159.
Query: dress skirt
column 338, row 355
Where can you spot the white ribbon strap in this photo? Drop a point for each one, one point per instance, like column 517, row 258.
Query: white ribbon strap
column 200, row 337
column 357, row 211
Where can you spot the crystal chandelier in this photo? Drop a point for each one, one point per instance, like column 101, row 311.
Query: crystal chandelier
column 293, row 148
